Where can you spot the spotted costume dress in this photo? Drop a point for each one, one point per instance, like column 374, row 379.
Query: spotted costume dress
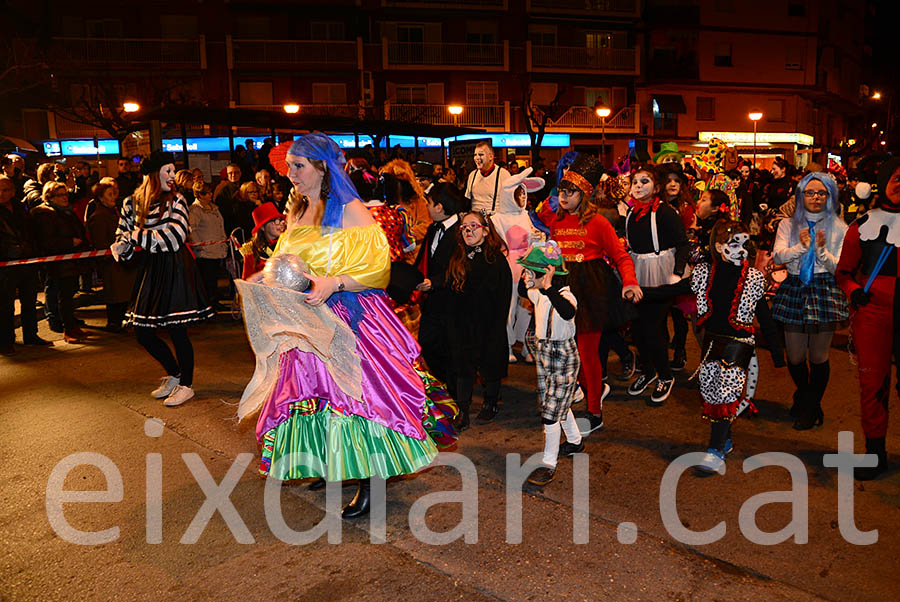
column 728, row 299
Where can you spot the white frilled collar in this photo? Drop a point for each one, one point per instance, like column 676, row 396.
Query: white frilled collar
column 871, row 224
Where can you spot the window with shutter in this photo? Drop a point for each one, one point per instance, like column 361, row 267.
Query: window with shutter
column 416, row 94
column 482, row 93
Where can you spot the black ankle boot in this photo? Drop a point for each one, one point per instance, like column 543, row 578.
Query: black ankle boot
column 462, row 420
column 800, row 375
column 359, row 506
column 873, row 446
column 489, row 411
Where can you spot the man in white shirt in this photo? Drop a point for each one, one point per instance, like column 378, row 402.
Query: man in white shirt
column 485, row 182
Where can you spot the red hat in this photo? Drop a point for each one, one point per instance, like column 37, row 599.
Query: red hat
column 264, row 214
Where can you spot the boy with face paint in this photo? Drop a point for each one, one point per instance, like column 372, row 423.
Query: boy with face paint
column 729, row 294
column 869, row 273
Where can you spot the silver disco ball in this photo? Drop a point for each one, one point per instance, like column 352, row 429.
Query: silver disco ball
column 286, row 270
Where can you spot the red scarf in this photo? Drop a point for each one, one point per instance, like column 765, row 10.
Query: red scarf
column 642, row 208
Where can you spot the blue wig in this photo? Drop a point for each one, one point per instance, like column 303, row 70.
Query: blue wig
column 342, row 191
column 801, row 216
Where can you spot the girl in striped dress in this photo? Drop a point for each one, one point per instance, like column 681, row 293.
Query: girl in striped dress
column 168, row 292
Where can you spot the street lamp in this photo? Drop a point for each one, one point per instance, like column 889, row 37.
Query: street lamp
column 602, row 112
column 456, row 111
column 291, row 108
column 130, row 106
column 754, row 117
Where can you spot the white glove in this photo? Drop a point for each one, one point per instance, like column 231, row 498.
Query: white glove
column 120, row 249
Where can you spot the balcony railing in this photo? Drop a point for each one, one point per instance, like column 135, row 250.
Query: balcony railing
column 579, row 58
column 137, row 52
column 497, row 4
column 332, row 110
column 583, row 118
column 472, row 115
column 294, row 53
column 597, row 7
column 437, row 54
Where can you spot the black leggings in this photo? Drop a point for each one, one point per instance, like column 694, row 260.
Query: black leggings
column 612, row 339
column 679, row 329
column 719, row 433
column 183, row 367
column 466, row 384
column 650, row 336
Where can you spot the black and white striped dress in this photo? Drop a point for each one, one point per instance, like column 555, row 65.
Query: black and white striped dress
column 168, row 290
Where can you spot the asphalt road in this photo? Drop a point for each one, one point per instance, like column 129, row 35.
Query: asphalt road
column 67, row 399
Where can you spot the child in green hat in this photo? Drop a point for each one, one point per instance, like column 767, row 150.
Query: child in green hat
column 556, row 353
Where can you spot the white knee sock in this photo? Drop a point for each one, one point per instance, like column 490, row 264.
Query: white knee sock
column 573, row 435
column 551, row 444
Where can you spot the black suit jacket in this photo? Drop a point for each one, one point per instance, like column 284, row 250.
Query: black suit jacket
column 436, row 268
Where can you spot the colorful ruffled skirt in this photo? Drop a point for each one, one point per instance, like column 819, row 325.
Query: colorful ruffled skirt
column 309, row 427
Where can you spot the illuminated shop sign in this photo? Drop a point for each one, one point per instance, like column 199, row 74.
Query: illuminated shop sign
column 220, row 143
column 70, row 148
column 761, row 137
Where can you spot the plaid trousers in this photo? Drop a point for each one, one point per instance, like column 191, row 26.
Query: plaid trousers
column 557, row 363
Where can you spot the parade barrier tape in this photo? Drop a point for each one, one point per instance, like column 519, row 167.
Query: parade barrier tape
column 84, row 255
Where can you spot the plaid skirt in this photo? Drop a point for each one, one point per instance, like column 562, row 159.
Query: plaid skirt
column 821, row 306
column 558, row 363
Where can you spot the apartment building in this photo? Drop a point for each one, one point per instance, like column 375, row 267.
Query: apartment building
column 667, row 69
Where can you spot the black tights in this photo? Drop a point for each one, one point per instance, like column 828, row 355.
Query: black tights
column 612, row 339
column 465, row 386
column 719, row 433
column 183, row 367
column 650, row 336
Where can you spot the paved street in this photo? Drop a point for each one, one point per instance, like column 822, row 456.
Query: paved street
column 95, row 398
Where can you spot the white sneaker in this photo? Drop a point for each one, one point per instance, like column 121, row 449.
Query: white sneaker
column 165, row 388
column 606, row 391
column 178, row 396
column 713, row 461
column 579, row 395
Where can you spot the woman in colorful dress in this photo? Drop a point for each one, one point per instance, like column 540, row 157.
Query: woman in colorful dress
column 394, row 415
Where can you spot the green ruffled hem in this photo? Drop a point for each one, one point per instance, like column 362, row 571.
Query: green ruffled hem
column 350, row 447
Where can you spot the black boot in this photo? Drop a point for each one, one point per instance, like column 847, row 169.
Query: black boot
column 873, row 446
column 811, row 413
column 462, row 420
column 359, row 506
column 489, row 410
column 800, row 375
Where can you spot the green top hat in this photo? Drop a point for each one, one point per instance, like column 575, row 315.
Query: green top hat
column 668, row 148
column 542, row 255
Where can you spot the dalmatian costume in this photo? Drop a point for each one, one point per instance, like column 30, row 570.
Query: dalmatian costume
column 730, row 294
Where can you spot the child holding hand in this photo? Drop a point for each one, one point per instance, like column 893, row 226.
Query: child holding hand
column 556, row 353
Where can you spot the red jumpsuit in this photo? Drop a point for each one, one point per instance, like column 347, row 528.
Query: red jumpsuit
column 594, row 240
column 875, row 326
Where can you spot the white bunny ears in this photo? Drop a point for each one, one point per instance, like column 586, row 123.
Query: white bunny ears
column 522, row 179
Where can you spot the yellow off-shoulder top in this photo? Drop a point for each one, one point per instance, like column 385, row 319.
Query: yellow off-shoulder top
column 361, row 252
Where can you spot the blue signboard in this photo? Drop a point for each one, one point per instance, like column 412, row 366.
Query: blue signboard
column 52, row 149
column 503, row 140
column 70, row 148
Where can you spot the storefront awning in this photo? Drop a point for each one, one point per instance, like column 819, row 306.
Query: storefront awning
column 669, row 103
